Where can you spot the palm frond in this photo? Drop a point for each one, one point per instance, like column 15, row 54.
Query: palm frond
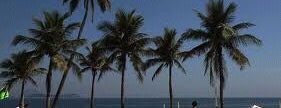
column 197, row 34
column 243, row 25
column 237, row 56
column 75, row 54
column 71, row 27
column 106, row 27
column 104, row 4
column 38, row 23
column 147, row 52
column 20, row 39
column 73, row 5
column 33, row 82
column 200, row 15
column 10, row 83
column 208, row 62
column 245, row 40
column 75, row 68
column 73, row 43
column 7, row 64
column 178, row 64
column 198, row 50
column 151, row 62
column 121, row 62
column 106, row 68
column 137, row 63
column 228, row 14
column 86, row 69
column 59, row 62
column 7, row 74
column 37, row 72
column 157, row 72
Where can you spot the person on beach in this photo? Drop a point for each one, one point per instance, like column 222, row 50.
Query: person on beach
column 194, row 104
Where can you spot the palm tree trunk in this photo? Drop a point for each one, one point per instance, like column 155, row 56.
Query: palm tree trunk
column 65, row 73
column 21, row 103
column 122, row 81
column 49, row 83
column 93, row 90
column 81, row 29
column 122, row 90
column 221, row 72
column 64, row 76
column 170, row 86
column 221, row 91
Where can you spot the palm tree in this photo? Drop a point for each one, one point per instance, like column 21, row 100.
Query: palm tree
column 22, row 66
column 97, row 63
column 52, row 37
column 124, row 41
column 220, row 37
column 73, row 4
column 88, row 5
column 167, row 54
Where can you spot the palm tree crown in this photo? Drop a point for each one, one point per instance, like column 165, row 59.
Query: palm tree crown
column 52, row 37
column 167, row 53
column 220, row 36
column 96, row 62
column 23, row 67
column 123, row 40
column 88, row 4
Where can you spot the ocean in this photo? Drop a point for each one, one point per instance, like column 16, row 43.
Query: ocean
column 148, row 103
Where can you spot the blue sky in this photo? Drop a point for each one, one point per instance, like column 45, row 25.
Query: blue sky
column 262, row 79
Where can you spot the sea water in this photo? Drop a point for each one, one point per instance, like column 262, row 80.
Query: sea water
column 147, row 102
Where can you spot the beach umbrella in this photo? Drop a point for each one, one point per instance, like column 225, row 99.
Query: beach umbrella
column 4, row 94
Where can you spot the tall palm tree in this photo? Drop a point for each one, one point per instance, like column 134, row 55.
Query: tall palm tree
column 22, row 66
column 73, row 4
column 88, row 5
column 220, row 37
column 167, row 54
column 124, row 41
column 51, row 37
column 96, row 62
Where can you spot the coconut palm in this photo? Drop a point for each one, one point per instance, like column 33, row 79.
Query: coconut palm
column 167, row 54
column 96, row 62
column 51, row 37
column 21, row 67
column 88, row 5
column 73, row 4
column 125, row 42
column 220, row 37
